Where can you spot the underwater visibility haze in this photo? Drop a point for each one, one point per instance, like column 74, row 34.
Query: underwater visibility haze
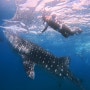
column 31, row 60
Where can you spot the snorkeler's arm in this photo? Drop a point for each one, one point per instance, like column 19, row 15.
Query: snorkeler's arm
column 45, row 28
column 43, row 22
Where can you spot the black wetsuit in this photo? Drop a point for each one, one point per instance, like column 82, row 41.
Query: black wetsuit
column 61, row 28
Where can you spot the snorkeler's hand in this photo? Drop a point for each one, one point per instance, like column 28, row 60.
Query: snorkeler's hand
column 79, row 31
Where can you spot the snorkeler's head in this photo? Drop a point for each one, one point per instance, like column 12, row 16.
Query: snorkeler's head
column 53, row 15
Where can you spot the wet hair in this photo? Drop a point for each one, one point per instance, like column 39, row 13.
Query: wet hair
column 53, row 15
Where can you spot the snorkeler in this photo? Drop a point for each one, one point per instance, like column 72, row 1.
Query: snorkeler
column 59, row 26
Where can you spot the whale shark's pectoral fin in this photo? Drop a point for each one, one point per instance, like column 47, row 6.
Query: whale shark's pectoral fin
column 29, row 67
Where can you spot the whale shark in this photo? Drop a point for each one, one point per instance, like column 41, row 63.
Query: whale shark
column 33, row 54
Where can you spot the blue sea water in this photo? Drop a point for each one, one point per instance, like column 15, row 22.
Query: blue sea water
column 12, row 73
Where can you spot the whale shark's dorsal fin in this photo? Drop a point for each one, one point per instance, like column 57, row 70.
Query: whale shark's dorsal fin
column 65, row 61
column 29, row 67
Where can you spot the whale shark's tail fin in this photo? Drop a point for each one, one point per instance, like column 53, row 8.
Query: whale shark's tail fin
column 65, row 62
column 75, row 80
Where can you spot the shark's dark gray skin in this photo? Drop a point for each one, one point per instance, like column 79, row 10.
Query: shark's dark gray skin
column 33, row 54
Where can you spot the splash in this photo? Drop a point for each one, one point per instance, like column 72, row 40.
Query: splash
column 67, row 10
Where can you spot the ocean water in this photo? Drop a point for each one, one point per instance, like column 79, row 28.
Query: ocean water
column 75, row 13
